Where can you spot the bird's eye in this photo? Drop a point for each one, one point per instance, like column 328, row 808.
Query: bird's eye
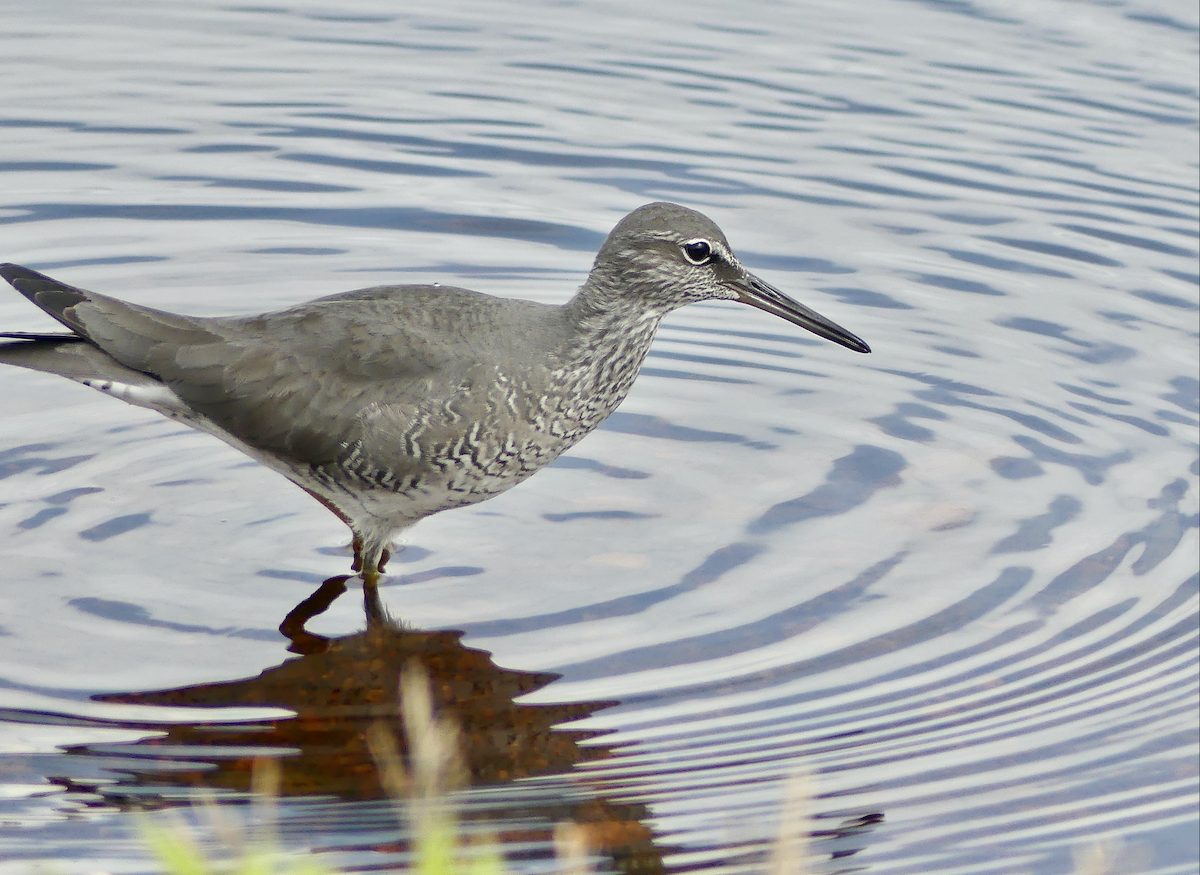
column 697, row 251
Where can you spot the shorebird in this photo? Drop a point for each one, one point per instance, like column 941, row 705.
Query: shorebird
column 392, row 403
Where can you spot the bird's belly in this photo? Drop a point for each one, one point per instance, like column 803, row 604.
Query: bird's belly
column 468, row 471
column 383, row 503
column 419, row 475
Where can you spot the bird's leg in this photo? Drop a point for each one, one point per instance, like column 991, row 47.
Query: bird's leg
column 357, row 564
column 370, row 555
column 356, row 542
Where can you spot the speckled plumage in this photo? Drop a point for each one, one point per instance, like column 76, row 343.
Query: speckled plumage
column 392, row 403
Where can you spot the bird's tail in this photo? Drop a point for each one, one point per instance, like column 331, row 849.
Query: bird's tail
column 70, row 356
column 75, row 355
column 129, row 334
column 53, row 297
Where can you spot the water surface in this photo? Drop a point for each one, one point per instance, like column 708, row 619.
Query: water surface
column 955, row 581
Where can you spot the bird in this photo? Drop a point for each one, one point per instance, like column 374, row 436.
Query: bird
column 392, row 403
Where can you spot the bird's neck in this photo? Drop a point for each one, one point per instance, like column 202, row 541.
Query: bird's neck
column 609, row 334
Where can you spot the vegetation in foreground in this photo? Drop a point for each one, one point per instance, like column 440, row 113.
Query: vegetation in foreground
column 422, row 798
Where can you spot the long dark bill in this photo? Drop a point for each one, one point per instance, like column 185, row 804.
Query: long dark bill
column 753, row 291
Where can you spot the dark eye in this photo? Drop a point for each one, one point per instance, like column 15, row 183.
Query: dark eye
column 697, row 251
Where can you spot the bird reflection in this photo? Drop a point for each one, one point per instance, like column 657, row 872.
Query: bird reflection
column 339, row 688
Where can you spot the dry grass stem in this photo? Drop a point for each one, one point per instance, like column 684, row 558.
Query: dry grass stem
column 571, row 848
column 386, row 753
column 226, row 828
column 790, row 854
column 434, row 743
column 266, row 777
column 1098, row 858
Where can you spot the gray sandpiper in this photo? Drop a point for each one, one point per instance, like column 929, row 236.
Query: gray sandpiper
column 392, row 403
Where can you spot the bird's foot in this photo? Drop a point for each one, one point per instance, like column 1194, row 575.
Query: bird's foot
column 357, row 564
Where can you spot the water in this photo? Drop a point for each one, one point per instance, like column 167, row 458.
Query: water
column 954, row 581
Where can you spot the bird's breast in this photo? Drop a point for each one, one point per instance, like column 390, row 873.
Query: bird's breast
column 489, row 430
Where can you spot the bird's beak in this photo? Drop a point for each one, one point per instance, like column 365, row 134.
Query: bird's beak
column 753, row 291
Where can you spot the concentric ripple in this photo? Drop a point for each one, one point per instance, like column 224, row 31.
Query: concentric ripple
column 948, row 591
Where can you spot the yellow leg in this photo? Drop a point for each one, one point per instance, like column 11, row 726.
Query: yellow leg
column 369, row 567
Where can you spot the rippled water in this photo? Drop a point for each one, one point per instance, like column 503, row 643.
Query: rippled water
column 955, row 581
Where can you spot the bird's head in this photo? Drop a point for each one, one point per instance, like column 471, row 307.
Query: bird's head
column 662, row 256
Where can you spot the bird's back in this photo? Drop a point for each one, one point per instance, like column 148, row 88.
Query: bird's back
column 377, row 380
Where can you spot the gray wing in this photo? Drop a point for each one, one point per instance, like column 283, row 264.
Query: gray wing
column 296, row 382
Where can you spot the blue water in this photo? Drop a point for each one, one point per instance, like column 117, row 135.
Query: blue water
column 954, row 581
